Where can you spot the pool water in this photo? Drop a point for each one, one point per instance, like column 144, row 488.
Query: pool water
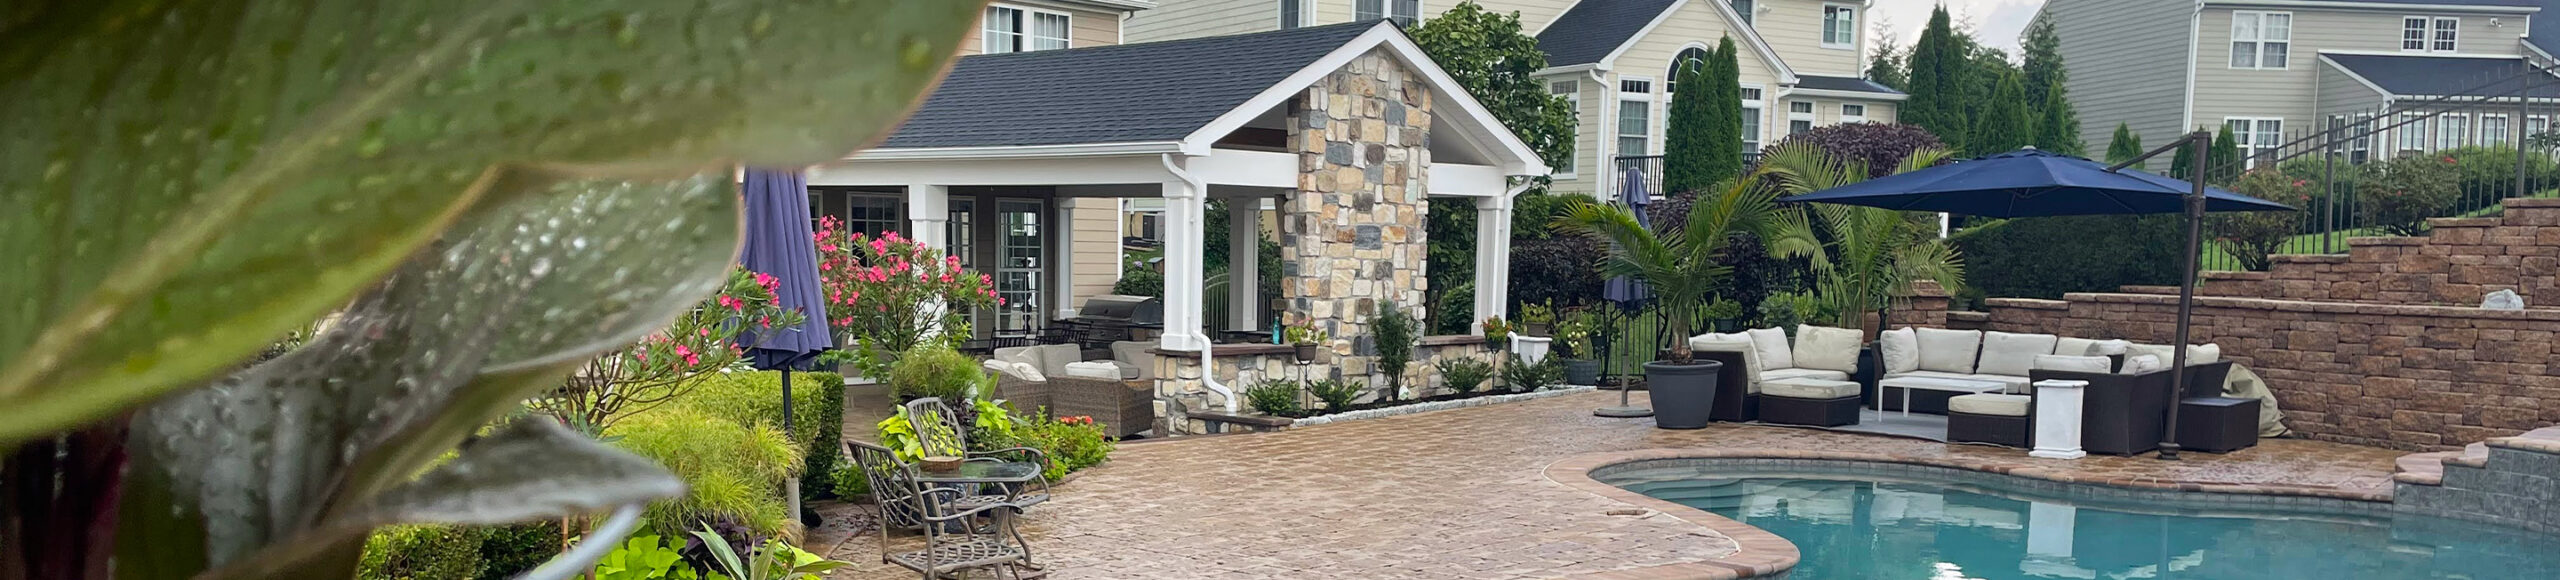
column 1887, row 530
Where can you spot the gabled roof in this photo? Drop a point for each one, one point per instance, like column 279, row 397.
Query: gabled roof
column 2545, row 32
column 1593, row 29
column 2435, row 76
column 1842, row 84
column 1156, row 91
column 2488, row 4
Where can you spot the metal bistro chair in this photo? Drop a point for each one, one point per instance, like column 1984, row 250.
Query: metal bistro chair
column 952, row 547
column 927, row 410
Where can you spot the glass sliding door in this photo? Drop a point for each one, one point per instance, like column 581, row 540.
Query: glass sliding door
column 1021, row 248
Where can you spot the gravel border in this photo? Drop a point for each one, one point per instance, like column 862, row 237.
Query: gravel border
column 1437, row 405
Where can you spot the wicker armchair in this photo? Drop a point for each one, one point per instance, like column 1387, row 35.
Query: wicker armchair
column 1123, row 408
column 2119, row 414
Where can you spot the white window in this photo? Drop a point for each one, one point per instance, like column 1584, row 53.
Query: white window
column 1403, row 11
column 1751, row 107
column 2453, row 131
column 2361, row 148
column 2261, row 40
column 2494, row 128
column 1635, row 117
column 2413, row 133
column 2257, row 137
column 1839, row 26
column 1799, row 116
column 1853, row 113
column 2423, row 34
column 1293, row 14
column 1742, row 7
column 1572, row 93
column 1680, row 63
column 2535, row 126
column 1012, row 29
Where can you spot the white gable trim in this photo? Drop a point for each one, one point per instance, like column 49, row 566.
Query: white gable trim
column 1732, row 22
column 1475, row 124
column 2351, row 73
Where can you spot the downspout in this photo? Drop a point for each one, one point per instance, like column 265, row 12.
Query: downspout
column 1208, row 369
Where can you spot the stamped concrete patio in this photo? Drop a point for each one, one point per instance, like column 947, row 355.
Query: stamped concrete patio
column 1476, row 493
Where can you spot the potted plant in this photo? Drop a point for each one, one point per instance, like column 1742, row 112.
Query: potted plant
column 1727, row 315
column 1862, row 256
column 1497, row 332
column 1306, row 339
column 1573, row 337
column 1680, row 265
column 1537, row 320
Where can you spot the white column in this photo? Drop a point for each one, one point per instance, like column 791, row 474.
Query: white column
column 1062, row 259
column 1493, row 259
column 1184, row 263
column 929, row 215
column 1244, row 280
column 2057, row 421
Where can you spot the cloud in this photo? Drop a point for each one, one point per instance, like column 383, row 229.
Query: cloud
column 1997, row 22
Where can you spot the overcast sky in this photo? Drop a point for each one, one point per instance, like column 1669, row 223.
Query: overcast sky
column 1994, row 21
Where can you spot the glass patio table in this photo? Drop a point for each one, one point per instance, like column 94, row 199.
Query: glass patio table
column 977, row 472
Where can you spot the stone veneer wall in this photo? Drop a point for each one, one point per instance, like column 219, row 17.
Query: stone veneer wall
column 1179, row 391
column 1352, row 237
column 2459, row 261
column 2399, row 376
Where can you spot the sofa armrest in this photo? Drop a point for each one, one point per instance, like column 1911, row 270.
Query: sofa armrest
column 2205, row 380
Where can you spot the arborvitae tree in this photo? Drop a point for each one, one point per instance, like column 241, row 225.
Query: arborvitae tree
column 1705, row 144
column 2222, row 159
column 2125, row 145
column 1938, row 80
column 2006, row 123
column 2059, row 128
column 2058, row 124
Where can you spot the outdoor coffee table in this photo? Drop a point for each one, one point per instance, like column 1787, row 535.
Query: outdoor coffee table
column 1968, row 386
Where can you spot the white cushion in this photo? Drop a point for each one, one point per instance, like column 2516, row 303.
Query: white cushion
column 2012, row 354
column 1949, row 351
column 1901, row 350
column 1737, row 342
column 1018, row 354
column 1816, row 389
column 1990, row 404
column 1013, row 369
column 2141, row 363
column 2075, row 346
column 1094, row 370
column 2112, row 347
column 2196, row 354
column 1930, row 374
column 1772, row 345
column 1135, row 353
column 2077, row 364
column 1826, row 348
column 1773, row 375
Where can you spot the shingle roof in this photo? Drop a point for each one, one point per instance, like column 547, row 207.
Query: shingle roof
column 1594, row 28
column 2457, row 2
column 2442, row 75
column 1156, row 91
column 1851, row 84
column 2545, row 32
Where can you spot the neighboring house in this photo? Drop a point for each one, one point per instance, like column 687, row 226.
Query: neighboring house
column 2277, row 71
column 1803, row 63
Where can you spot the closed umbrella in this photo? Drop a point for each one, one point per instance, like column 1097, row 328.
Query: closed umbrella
column 778, row 244
column 2032, row 183
column 1628, row 293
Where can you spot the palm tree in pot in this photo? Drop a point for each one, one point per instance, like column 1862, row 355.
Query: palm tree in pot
column 1862, row 256
column 1679, row 263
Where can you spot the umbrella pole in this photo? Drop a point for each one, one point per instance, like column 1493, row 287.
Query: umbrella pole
column 1625, row 408
column 2198, row 143
column 790, row 486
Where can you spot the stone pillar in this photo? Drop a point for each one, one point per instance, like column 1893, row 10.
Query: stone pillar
column 1354, row 234
column 2057, row 414
column 1184, row 261
column 1493, row 259
column 1925, row 306
column 1244, row 246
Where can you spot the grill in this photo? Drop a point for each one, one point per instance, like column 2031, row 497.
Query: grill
column 1111, row 317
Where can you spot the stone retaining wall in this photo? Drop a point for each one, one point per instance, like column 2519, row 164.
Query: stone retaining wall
column 2397, row 376
column 1179, row 390
column 2458, row 261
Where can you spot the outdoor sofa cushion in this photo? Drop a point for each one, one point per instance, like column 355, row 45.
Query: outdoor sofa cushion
column 1990, row 404
column 2089, row 347
column 1772, row 346
column 1900, row 348
column 1104, row 370
column 1950, row 351
column 1775, row 375
column 1826, row 348
column 1051, row 359
column 1014, row 369
column 2196, row 354
column 1814, row 389
column 2081, row 364
column 1141, row 364
column 2141, row 363
column 1736, row 342
column 2012, row 354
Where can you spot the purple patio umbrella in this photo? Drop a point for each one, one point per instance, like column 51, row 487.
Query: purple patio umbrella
column 779, row 244
column 1628, row 292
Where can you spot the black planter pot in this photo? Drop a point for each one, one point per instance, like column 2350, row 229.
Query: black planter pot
column 1683, row 395
column 1581, row 372
column 1305, row 353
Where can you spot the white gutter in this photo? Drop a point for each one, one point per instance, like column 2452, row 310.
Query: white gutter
column 1208, row 368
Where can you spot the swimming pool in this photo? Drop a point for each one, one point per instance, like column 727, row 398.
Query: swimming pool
column 1877, row 526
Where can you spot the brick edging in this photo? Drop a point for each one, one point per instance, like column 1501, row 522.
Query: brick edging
column 1759, row 553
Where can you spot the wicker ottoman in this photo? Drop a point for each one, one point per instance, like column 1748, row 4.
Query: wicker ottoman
column 2217, row 424
column 1993, row 418
column 1815, row 402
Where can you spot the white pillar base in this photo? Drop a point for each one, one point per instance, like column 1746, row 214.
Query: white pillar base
column 2057, row 415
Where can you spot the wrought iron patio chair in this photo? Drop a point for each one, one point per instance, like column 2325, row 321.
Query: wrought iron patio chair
column 950, row 439
column 952, row 545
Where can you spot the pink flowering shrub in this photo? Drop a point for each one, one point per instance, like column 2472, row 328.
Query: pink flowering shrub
column 666, row 365
column 888, row 294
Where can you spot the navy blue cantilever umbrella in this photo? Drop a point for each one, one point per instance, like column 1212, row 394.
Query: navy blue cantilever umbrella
column 779, row 244
column 2032, row 183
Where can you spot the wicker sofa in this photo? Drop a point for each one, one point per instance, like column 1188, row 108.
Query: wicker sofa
column 1036, row 379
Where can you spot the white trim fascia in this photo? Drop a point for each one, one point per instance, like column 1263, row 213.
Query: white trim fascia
column 2351, row 73
column 2527, row 41
column 1733, row 22
column 1446, row 91
column 1843, row 94
column 1567, row 69
column 2416, row 54
column 1125, row 5
column 1016, row 151
column 2389, row 6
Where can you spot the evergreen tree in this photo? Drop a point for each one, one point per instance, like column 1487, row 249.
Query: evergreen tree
column 2006, row 123
column 1487, row 53
column 1705, row 141
column 2125, row 145
column 1938, row 81
column 2059, row 128
column 1890, row 66
column 2058, row 124
column 2222, row 160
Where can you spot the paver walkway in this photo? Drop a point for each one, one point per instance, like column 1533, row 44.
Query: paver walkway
column 1463, row 494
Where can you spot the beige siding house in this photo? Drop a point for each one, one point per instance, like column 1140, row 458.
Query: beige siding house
column 2273, row 70
column 1802, row 63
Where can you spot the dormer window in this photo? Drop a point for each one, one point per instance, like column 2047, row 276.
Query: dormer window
column 1013, row 29
column 1404, row 12
column 2424, row 34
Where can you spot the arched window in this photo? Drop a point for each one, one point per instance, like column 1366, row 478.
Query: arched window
column 1686, row 56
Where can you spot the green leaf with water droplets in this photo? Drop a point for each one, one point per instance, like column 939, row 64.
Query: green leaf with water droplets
column 183, row 182
column 296, row 451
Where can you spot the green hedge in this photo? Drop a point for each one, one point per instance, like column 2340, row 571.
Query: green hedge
column 732, row 472
column 817, row 415
column 2046, row 257
column 420, row 553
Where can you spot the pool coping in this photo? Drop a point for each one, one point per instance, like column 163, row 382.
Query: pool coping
column 1761, row 554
